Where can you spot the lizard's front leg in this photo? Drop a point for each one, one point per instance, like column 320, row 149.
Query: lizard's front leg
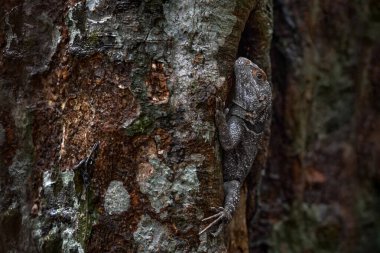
column 230, row 131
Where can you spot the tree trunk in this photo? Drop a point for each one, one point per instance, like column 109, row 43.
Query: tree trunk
column 107, row 132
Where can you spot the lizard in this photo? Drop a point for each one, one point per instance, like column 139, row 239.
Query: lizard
column 240, row 129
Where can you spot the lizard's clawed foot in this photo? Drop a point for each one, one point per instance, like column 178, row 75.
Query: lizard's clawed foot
column 221, row 217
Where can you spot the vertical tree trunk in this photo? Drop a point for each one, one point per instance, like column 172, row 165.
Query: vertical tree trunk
column 107, row 135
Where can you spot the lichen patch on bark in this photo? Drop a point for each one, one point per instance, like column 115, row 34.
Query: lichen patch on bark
column 116, row 199
column 151, row 236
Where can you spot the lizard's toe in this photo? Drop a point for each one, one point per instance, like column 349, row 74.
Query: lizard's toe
column 220, row 217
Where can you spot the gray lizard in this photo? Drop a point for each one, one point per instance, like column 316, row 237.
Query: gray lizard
column 241, row 129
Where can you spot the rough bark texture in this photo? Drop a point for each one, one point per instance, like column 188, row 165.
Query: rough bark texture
column 140, row 78
column 321, row 189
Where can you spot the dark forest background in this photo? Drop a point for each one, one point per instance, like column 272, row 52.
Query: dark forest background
column 321, row 189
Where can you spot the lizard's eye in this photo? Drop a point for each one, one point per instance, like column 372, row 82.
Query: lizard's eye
column 259, row 74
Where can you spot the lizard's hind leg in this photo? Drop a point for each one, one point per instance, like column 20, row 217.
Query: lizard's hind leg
column 224, row 214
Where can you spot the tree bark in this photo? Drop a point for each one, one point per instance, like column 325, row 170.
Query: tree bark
column 107, row 132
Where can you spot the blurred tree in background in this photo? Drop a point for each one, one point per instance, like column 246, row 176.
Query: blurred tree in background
column 321, row 189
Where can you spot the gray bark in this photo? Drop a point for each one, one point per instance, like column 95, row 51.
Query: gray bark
column 141, row 78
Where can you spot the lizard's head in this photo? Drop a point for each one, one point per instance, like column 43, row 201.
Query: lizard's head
column 253, row 91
